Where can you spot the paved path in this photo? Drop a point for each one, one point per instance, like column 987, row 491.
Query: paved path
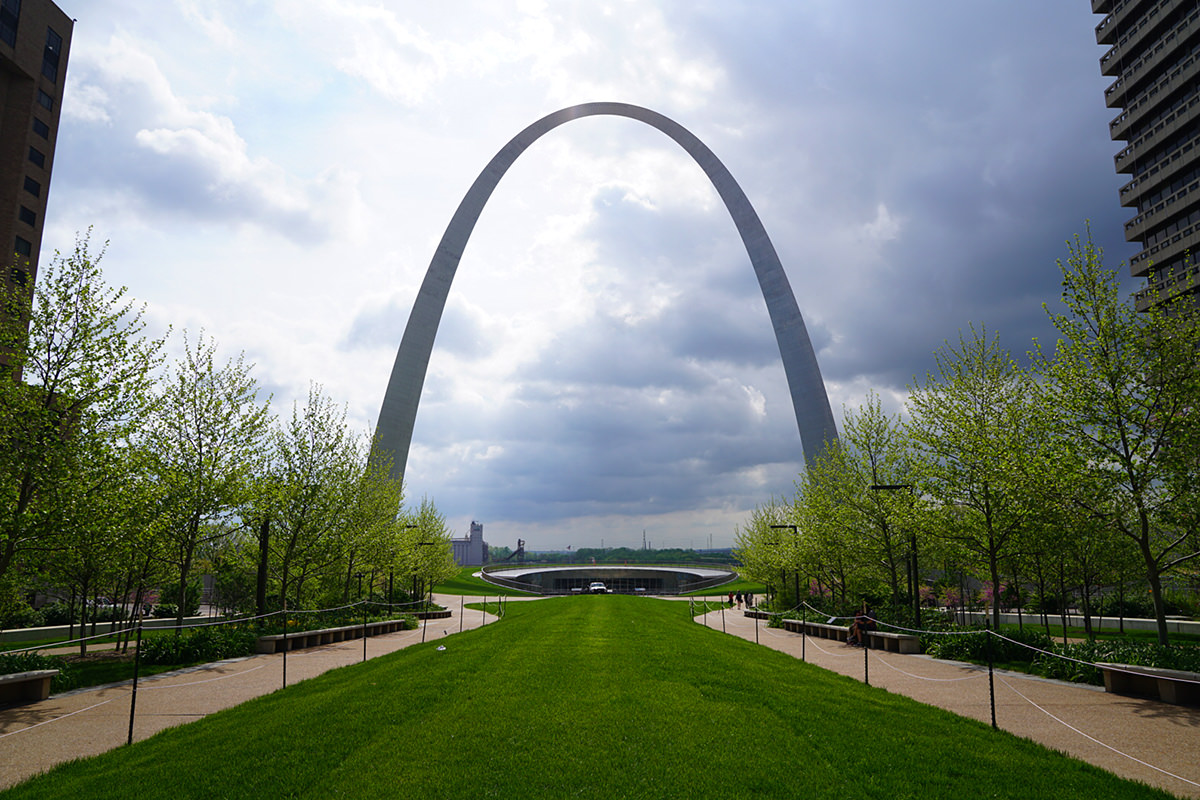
column 87, row 722
column 1124, row 735
column 1134, row 738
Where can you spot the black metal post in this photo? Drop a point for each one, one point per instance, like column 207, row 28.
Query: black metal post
column 285, row 642
column 866, row 667
column 723, row 618
column 756, row 627
column 987, row 631
column 462, row 599
column 803, row 637
column 364, row 631
column 137, row 662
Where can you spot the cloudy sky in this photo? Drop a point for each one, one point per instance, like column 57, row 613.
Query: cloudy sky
column 278, row 173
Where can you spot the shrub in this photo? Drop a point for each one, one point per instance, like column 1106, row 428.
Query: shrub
column 972, row 646
column 22, row 616
column 199, row 645
column 28, row 662
column 56, row 613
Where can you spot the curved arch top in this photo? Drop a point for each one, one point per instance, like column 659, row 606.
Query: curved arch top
column 393, row 433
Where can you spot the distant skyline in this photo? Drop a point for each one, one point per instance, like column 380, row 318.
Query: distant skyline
column 279, row 174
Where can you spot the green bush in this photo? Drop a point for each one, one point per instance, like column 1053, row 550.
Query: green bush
column 213, row 643
column 28, row 662
column 22, row 616
column 973, row 646
column 57, row 613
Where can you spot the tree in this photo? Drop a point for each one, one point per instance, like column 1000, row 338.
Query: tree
column 1127, row 386
column 871, row 456
column 429, row 554
column 78, row 387
column 978, row 427
column 206, row 439
column 768, row 545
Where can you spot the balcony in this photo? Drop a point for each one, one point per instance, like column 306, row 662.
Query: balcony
column 1177, row 120
column 1137, row 227
column 1180, row 74
column 1135, row 31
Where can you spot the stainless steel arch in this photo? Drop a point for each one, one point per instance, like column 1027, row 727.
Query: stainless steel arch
column 393, row 432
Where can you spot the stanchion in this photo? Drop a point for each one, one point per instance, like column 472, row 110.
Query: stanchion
column 364, row 631
column 137, row 662
column 756, row 628
column 723, row 618
column 866, row 666
column 484, row 612
column 803, row 637
column 462, row 600
column 706, row 611
column 285, row 643
column 987, row 631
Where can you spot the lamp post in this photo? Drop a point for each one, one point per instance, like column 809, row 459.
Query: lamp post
column 914, row 575
column 426, row 625
column 795, row 531
column 392, row 570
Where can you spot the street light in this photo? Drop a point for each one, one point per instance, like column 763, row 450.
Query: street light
column 392, row 570
column 914, row 575
column 795, row 531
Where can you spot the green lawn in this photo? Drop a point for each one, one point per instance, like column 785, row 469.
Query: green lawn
column 466, row 583
column 584, row 697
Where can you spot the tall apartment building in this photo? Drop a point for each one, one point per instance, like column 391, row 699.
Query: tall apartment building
column 35, row 37
column 1154, row 60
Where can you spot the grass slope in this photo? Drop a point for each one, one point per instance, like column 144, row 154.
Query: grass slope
column 588, row 697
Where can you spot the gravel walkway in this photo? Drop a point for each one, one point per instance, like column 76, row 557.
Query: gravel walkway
column 35, row 737
column 1156, row 743
column 1153, row 742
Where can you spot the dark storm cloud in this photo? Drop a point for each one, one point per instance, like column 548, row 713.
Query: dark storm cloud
column 982, row 128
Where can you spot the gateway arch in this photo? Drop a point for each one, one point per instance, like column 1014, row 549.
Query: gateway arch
column 393, row 433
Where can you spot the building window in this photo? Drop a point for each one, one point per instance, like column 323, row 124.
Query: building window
column 10, row 12
column 41, row 128
column 23, row 247
column 45, row 100
column 51, row 54
column 37, row 157
column 19, row 277
column 33, row 187
column 27, row 216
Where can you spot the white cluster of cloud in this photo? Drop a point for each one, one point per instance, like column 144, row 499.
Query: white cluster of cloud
column 280, row 174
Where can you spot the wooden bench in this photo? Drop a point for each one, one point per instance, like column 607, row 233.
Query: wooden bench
column 24, row 687
column 819, row 630
column 1169, row 685
column 305, row 639
column 756, row 614
column 894, row 642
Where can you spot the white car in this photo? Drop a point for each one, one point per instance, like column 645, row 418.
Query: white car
column 596, row 587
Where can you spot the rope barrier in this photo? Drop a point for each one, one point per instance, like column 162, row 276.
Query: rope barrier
column 1092, row 664
column 56, row 719
column 923, row 678
column 69, row 643
column 206, row 680
column 1094, row 739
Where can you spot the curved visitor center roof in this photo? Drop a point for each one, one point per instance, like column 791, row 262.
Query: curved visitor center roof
column 624, row 578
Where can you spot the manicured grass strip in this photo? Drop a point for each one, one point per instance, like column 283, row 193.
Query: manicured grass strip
column 589, row 697
column 466, row 583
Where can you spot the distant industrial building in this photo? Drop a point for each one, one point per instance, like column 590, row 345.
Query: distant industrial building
column 1154, row 60
column 35, row 37
column 471, row 551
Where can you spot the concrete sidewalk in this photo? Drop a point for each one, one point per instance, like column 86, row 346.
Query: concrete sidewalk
column 1156, row 743
column 35, row 737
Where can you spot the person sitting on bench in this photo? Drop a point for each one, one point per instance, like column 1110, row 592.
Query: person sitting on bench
column 863, row 623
